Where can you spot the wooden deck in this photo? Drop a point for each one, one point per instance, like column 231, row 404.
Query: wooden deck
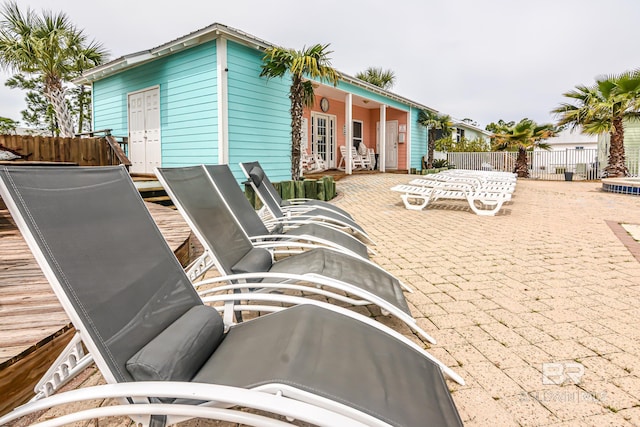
column 31, row 319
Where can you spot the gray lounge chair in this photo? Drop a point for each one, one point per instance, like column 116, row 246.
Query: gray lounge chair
column 255, row 168
column 200, row 201
column 253, row 226
column 309, row 212
column 164, row 354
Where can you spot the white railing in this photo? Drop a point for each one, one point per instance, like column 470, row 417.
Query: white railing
column 571, row 163
column 504, row 161
column 581, row 164
column 632, row 159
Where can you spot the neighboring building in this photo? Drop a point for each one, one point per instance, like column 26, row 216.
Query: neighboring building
column 200, row 99
column 463, row 129
column 572, row 139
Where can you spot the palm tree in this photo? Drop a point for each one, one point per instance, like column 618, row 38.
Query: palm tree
column 603, row 108
column 378, row 77
column 49, row 46
column 439, row 126
column 311, row 63
column 7, row 126
column 500, row 127
column 524, row 136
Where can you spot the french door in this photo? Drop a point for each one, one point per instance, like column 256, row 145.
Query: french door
column 391, row 143
column 323, row 137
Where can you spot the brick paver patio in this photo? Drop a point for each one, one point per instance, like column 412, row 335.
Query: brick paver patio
column 546, row 285
column 544, row 281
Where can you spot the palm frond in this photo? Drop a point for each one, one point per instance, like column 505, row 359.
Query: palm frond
column 378, row 77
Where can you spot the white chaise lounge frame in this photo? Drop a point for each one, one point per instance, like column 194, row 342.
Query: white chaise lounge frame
column 418, row 197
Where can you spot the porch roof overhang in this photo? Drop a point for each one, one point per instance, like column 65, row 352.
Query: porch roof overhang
column 327, row 90
column 378, row 90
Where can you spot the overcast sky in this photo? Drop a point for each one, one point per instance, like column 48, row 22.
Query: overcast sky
column 480, row 59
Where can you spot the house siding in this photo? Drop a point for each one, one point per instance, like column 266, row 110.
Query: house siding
column 188, row 103
column 259, row 123
column 419, row 140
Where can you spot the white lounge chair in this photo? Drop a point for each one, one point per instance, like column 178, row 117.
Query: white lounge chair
column 483, row 203
column 459, row 182
column 481, row 174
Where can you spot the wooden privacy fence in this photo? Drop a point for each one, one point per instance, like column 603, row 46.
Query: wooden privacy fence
column 93, row 151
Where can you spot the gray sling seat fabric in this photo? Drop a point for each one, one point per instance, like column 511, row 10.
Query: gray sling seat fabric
column 257, row 173
column 315, row 350
column 332, row 264
column 263, row 189
column 129, row 298
column 253, row 225
column 218, row 230
column 322, row 232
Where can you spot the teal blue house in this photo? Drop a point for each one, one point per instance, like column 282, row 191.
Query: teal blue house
column 200, row 99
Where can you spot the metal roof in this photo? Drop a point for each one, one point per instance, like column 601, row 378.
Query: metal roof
column 206, row 34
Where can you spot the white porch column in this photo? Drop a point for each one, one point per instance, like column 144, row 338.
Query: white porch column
column 223, row 102
column 348, row 124
column 408, row 138
column 382, row 135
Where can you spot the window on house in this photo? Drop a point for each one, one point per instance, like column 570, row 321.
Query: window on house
column 579, row 148
column 357, row 133
column 459, row 134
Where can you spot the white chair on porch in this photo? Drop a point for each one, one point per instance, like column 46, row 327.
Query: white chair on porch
column 357, row 161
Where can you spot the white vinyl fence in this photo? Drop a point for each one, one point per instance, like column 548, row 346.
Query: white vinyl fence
column 632, row 157
column 574, row 164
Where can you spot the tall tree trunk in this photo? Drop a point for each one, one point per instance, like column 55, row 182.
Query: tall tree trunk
column 616, row 166
column 81, row 109
column 431, row 148
column 296, row 128
column 55, row 95
column 522, row 163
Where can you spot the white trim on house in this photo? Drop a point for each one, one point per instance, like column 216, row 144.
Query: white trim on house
column 381, row 138
column 409, row 142
column 223, row 101
column 348, row 121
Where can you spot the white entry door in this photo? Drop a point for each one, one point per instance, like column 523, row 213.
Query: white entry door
column 391, row 143
column 323, row 133
column 144, row 130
